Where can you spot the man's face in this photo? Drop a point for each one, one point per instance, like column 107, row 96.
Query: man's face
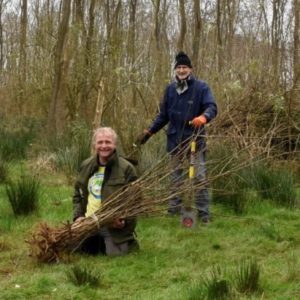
column 182, row 71
column 105, row 146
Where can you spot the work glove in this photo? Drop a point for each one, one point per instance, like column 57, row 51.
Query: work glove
column 199, row 121
column 143, row 137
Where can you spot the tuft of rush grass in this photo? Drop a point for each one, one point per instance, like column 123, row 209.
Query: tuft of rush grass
column 15, row 142
column 23, row 195
column 69, row 159
column 3, row 170
column 70, row 148
column 247, row 276
column 276, row 184
column 81, row 275
column 215, row 286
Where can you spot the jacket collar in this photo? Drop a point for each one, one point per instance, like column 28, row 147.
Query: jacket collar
column 183, row 85
column 113, row 160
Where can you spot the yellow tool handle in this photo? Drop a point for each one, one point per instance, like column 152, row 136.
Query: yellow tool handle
column 193, row 147
column 192, row 161
column 191, row 172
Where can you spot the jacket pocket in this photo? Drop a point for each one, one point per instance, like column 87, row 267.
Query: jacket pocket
column 116, row 182
column 171, row 130
column 113, row 186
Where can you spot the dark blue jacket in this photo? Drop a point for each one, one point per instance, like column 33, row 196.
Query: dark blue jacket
column 178, row 110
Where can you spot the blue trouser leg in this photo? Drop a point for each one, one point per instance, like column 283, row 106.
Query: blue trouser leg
column 202, row 196
column 176, row 180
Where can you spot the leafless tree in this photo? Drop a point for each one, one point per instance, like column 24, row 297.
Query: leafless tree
column 57, row 111
column 196, row 33
column 181, row 39
column 2, row 4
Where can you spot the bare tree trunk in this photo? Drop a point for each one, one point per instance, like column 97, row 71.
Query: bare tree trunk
column 1, row 37
column 23, row 38
column 275, row 40
column 181, row 39
column 231, row 17
column 295, row 94
column 296, row 54
column 164, row 26
column 220, row 58
column 50, row 12
column 159, row 42
column 115, row 47
column 266, row 36
column 21, row 85
column 131, row 31
column 90, row 34
column 87, row 62
column 156, row 27
column 196, row 34
column 57, row 111
column 76, row 41
column 99, row 106
column 131, row 47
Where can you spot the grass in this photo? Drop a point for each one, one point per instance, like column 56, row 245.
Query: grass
column 238, row 191
column 3, row 170
column 81, row 275
column 69, row 159
column 23, row 194
column 16, row 140
column 217, row 286
column 247, row 276
column 276, row 184
column 71, row 148
column 172, row 261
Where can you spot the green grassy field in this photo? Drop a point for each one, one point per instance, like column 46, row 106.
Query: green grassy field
column 172, row 263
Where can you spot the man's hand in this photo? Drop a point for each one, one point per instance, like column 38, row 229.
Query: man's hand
column 143, row 137
column 79, row 219
column 199, row 121
column 118, row 223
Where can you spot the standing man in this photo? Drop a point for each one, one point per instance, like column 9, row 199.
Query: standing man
column 99, row 177
column 188, row 105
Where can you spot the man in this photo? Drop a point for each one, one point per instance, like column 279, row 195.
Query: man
column 100, row 176
column 188, row 104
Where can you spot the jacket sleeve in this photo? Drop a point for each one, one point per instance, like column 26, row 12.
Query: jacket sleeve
column 209, row 104
column 131, row 176
column 78, row 200
column 162, row 118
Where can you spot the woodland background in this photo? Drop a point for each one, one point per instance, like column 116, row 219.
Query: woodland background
column 69, row 66
column 107, row 62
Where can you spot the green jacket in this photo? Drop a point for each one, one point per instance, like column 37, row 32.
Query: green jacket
column 118, row 173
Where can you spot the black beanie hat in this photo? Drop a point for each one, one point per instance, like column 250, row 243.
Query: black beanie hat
column 182, row 59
